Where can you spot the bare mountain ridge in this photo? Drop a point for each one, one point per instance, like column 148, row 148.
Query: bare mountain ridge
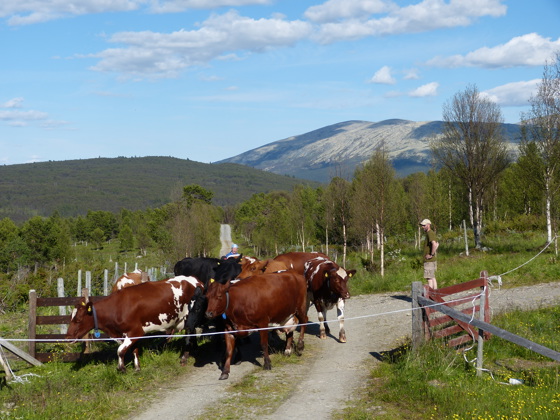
column 336, row 150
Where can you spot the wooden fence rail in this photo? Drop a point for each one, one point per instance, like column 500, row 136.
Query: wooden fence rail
column 464, row 318
column 35, row 320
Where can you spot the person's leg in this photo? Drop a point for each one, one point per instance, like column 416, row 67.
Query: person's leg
column 432, row 283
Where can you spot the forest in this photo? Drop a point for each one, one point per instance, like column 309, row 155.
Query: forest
column 476, row 181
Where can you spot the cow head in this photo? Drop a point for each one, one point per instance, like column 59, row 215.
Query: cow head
column 252, row 269
column 195, row 317
column 337, row 280
column 218, row 299
column 82, row 320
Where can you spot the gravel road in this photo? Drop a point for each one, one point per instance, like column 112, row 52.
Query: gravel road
column 374, row 324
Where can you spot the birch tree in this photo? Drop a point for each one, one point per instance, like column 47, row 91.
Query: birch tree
column 541, row 134
column 472, row 147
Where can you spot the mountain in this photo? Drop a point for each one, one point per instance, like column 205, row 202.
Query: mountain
column 73, row 187
column 336, row 150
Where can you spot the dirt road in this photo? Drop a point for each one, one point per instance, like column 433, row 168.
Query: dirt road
column 374, row 324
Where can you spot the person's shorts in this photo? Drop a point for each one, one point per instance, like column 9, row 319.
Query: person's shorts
column 430, row 268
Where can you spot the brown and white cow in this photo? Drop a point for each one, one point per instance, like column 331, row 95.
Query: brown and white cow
column 258, row 302
column 327, row 285
column 131, row 313
column 130, row 279
column 261, row 267
column 296, row 260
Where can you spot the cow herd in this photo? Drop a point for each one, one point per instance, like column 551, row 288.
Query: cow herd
column 237, row 295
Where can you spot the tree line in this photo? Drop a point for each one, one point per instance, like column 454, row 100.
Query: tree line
column 475, row 177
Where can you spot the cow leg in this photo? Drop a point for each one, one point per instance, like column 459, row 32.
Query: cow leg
column 136, row 359
column 121, row 351
column 301, row 344
column 264, row 345
column 230, row 347
column 289, row 342
column 322, row 315
column 340, row 315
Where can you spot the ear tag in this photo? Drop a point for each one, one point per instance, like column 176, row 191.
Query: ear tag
column 350, row 275
column 211, row 281
column 97, row 334
column 89, row 310
column 83, row 304
column 326, row 275
column 224, row 315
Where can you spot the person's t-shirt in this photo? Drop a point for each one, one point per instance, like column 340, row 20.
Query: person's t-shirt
column 430, row 237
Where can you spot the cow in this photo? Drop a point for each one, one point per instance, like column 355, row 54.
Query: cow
column 130, row 279
column 296, row 260
column 261, row 301
column 203, row 268
column 133, row 312
column 227, row 270
column 261, row 267
column 327, row 285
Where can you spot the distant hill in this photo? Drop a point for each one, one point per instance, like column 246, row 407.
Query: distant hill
column 75, row 186
column 337, row 149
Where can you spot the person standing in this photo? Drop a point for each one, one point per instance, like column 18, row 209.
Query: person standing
column 430, row 257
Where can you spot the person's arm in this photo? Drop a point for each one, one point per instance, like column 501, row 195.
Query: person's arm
column 433, row 248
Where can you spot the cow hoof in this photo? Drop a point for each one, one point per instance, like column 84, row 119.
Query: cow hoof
column 323, row 336
column 342, row 339
column 224, row 376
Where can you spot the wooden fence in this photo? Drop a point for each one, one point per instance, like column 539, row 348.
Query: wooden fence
column 60, row 320
column 464, row 297
column 424, row 328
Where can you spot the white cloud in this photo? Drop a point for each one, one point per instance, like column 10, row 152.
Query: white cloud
column 13, row 103
column 526, row 50
column 429, row 89
column 173, row 6
column 334, row 10
column 513, row 94
column 421, row 17
column 411, row 74
column 383, row 76
column 165, row 55
column 19, row 118
column 25, row 12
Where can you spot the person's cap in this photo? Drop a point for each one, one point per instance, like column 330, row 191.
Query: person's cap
column 234, row 246
column 425, row 222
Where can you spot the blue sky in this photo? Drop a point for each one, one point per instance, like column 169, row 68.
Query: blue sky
column 209, row 79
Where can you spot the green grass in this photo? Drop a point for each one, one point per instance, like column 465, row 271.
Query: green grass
column 439, row 383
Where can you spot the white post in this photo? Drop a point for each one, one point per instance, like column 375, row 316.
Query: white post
column 105, row 282
column 79, row 293
column 480, row 353
column 88, row 282
column 61, row 309
column 465, row 233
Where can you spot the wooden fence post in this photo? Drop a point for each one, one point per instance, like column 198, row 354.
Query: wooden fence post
column 79, row 291
column 61, row 309
column 105, row 282
column 466, row 241
column 32, row 326
column 88, row 280
column 417, row 316
column 480, row 351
